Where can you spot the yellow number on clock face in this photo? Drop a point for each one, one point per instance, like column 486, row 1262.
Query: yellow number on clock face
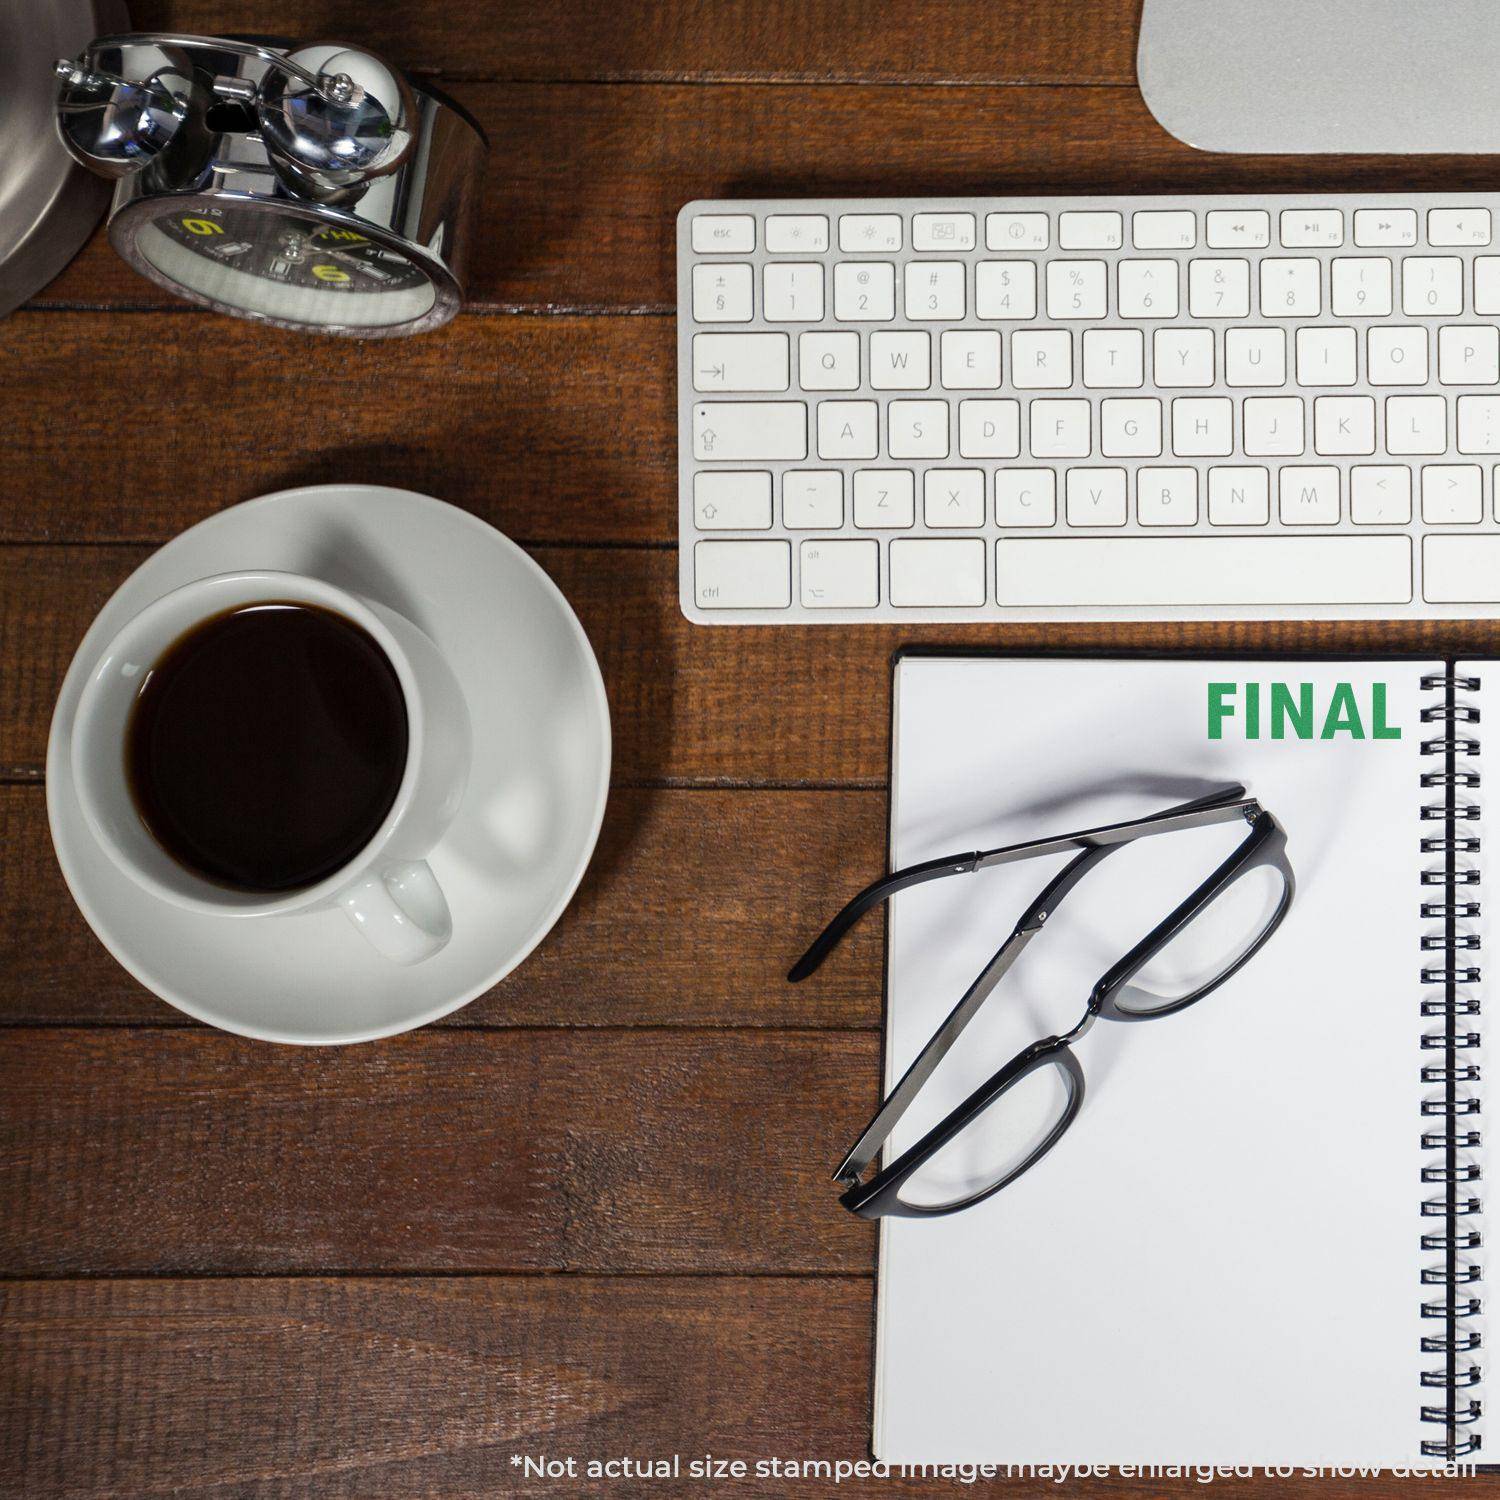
column 325, row 272
column 202, row 226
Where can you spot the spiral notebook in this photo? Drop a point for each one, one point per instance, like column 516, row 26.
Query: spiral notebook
column 1260, row 1243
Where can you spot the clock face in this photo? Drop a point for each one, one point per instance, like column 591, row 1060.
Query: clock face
column 292, row 252
column 287, row 267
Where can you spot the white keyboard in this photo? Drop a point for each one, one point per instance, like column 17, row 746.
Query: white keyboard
column 1239, row 407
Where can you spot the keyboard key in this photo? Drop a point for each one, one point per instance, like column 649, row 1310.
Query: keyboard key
column 1016, row 232
column 1182, row 357
column 723, row 234
column 1458, row 226
column 1164, row 229
column 789, row 234
column 989, row 429
column 1059, row 428
column 1114, row 357
column 1326, row 356
column 1025, row 497
column 793, row 292
column 1255, row 356
column 1432, row 286
column 1090, row 229
column 900, row 361
column 840, row 575
column 1077, row 289
column 885, row 499
column 812, row 499
column 937, row 574
column 1398, row 356
column 869, row 232
column 1452, row 494
column 741, row 362
column 864, row 291
column 1096, row 497
column 1469, row 355
column 1380, row 494
column 1461, row 569
column 1005, row 289
column 1479, row 424
column 743, row 575
column 1238, row 229
column 953, row 498
column 917, row 429
column 1213, row 571
column 971, row 360
column 1416, row 424
column 1290, row 288
column 1219, row 288
column 1309, row 495
column 733, row 431
column 1203, row 426
column 934, row 290
column 723, row 293
column 1309, row 228
column 1130, row 427
column 1343, row 425
column 1361, row 286
column 1041, row 359
column 725, row 500
column 1148, row 289
column 1238, row 495
column 942, row 231
column 1274, row 426
column 1487, row 284
column 828, row 361
column 848, row 429
column 1376, row 227
column 1166, row 497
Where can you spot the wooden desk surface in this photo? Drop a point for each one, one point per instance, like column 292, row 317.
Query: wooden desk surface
column 589, row 1214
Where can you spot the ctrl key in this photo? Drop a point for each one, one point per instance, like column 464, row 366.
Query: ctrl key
column 742, row 575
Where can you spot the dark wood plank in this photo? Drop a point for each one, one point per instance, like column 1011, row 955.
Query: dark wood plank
column 551, row 428
column 586, row 180
column 310, row 1390
column 419, row 1389
column 754, row 705
column 186, row 1152
column 694, row 907
column 1006, row 41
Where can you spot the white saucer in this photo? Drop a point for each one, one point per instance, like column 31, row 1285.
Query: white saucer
column 522, row 838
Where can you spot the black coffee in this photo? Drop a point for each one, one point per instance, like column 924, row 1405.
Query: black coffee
column 267, row 745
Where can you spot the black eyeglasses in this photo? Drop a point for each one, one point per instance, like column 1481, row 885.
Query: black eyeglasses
column 1010, row 1122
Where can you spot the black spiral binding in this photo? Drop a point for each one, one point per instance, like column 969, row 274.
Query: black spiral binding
column 1450, row 1114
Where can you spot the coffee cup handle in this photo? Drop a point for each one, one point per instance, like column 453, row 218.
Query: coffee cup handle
column 401, row 910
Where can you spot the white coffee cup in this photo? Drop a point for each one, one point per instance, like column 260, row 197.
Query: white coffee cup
column 387, row 890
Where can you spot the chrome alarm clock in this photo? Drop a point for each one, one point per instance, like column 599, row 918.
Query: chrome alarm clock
column 313, row 187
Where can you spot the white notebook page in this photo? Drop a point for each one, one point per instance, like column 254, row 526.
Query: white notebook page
column 1219, row 1263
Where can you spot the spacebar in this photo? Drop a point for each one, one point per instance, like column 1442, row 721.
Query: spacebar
column 1208, row 570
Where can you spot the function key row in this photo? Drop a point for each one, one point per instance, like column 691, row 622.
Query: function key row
column 1092, row 229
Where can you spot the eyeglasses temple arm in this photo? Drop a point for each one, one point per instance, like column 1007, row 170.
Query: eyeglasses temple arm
column 1200, row 814
column 872, row 895
column 862, row 1153
column 1217, row 807
column 1032, row 920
